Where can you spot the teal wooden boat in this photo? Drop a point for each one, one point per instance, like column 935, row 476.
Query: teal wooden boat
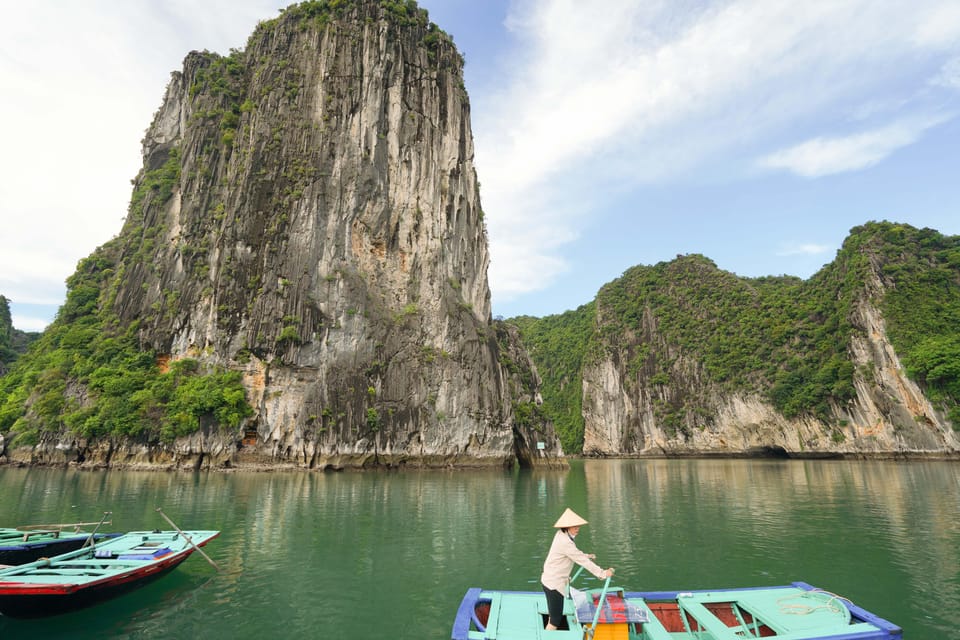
column 19, row 546
column 794, row 612
column 90, row 575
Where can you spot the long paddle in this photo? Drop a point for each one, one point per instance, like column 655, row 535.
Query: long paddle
column 89, row 540
column 187, row 538
column 579, row 570
column 600, row 603
column 61, row 526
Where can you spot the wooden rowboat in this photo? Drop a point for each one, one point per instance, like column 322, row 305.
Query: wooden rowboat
column 794, row 612
column 93, row 574
column 18, row 546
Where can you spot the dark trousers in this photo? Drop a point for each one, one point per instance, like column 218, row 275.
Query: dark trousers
column 554, row 605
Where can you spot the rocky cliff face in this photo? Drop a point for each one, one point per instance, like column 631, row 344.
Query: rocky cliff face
column 308, row 213
column 888, row 415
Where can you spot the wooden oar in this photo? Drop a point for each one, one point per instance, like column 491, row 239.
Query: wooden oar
column 187, row 538
column 89, row 541
column 600, row 603
column 579, row 571
column 572, row 580
column 75, row 525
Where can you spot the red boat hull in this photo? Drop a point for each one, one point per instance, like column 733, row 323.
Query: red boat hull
column 38, row 601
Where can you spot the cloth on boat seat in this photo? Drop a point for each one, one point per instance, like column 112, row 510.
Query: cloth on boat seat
column 615, row 609
column 103, row 553
column 141, row 553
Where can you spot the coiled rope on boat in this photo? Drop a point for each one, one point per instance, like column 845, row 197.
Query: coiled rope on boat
column 831, row 604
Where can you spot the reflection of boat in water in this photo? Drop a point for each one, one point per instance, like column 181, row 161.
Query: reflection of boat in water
column 89, row 575
column 795, row 612
column 19, row 546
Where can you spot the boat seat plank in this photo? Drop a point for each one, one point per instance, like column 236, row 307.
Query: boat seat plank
column 495, row 600
column 653, row 629
column 67, row 572
column 568, row 609
column 714, row 626
column 112, row 565
column 519, row 619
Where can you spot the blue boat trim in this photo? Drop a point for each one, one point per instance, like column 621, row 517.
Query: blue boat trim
column 860, row 613
column 461, row 625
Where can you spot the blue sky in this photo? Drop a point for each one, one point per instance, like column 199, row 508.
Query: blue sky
column 608, row 134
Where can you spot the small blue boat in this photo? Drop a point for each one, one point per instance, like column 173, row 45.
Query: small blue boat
column 793, row 612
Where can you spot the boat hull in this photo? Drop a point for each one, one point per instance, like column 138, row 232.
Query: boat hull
column 793, row 612
column 91, row 575
column 42, row 603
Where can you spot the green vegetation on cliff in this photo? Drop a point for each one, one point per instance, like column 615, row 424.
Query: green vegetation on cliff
column 90, row 377
column 13, row 342
column 920, row 271
column 557, row 345
column 403, row 13
column 780, row 337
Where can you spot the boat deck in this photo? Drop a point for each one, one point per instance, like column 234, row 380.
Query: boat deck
column 111, row 557
column 794, row 612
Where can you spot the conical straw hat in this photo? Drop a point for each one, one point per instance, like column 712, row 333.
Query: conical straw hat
column 569, row 519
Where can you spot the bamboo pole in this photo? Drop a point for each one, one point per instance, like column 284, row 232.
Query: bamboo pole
column 61, row 526
column 89, row 540
column 187, row 538
column 603, row 600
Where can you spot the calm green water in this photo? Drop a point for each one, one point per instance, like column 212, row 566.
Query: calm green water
column 389, row 555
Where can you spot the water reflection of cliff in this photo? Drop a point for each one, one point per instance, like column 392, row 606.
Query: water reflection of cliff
column 313, row 545
column 779, row 520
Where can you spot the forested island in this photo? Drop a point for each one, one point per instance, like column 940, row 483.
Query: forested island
column 681, row 356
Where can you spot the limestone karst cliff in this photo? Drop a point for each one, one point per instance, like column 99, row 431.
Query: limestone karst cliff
column 308, row 214
column 682, row 358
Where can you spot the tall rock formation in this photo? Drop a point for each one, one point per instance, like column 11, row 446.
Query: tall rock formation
column 309, row 213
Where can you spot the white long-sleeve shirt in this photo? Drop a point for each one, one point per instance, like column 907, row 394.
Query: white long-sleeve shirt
column 563, row 553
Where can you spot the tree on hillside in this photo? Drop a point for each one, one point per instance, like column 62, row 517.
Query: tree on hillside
column 7, row 354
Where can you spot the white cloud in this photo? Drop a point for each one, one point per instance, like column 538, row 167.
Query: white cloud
column 34, row 274
column 949, row 76
column 606, row 101
column 809, row 249
column 591, row 103
column 938, row 26
column 29, row 323
column 81, row 83
column 824, row 156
